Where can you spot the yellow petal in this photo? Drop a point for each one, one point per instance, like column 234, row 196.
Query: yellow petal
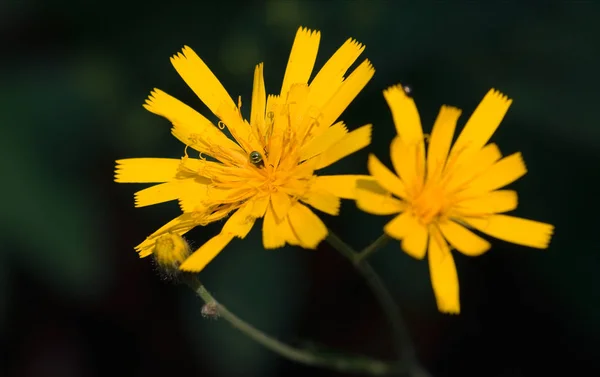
column 323, row 201
column 206, row 253
column 302, row 59
column 189, row 126
column 281, row 203
column 324, row 141
column 502, row 173
column 195, row 199
column 405, row 115
column 492, row 202
column 444, row 277
column 165, row 192
column 397, row 227
column 483, row 122
column 463, row 239
column 345, row 94
column 409, row 163
column 259, row 206
column 385, row 177
column 441, row 139
column 179, row 225
column 342, row 186
column 297, row 105
column 146, row 170
column 330, row 77
column 514, row 229
column 238, row 128
column 414, row 242
column 241, row 222
column 374, row 199
column 272, row 238
column 307, row 226
column 201, row 80
column 458, row 174
column 352, row 142
column 259, row 101
column 284, row 228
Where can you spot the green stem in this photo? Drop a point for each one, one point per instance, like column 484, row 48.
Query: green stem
column 404, row 345
column 341, row 364
column 367, row 251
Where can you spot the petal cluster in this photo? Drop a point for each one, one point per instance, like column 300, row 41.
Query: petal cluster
column 441, row 191
column 261, row 167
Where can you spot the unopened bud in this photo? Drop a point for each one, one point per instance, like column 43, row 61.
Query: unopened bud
column 170, row 250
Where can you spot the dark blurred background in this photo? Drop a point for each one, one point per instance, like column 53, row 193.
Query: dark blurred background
column 75, row 299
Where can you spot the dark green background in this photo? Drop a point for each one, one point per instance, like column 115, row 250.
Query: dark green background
column 75, row 300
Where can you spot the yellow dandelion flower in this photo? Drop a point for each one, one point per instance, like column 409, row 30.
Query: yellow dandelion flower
column 445, row 190
column 267, row 168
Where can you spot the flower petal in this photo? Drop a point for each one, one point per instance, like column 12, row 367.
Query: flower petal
column 405, row 115
column 281, row 203
column 514, row 229
column 259, row 206
column 307, row 226
column 206, row 253
column 409, row 163
column 342, row 186
column 259, row 101
column 168, row 191
column 492, row 202
column 241, row 222
column 323, row 201
column 483, row 122
column 458, row 174
column 146, row 170
column 345, row 95
column 463, row 239
column 385, row 177
column 284, row 228
column 441, row 140
column 374, row 199
column 331, row 76
column 444, row 277
column 352, row 142
column 502, row 173
column 189, row 126
column 179, row 225
column 398, row 227
column 413, row 234
column 272, row 238
column 302, row 59
column 201, row 80
column 324, row 141
column 414, row 242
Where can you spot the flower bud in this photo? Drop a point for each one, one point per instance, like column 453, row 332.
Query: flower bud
column 170, row 250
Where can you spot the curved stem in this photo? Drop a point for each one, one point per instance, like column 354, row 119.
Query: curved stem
column 341, row 364
column 404, row 345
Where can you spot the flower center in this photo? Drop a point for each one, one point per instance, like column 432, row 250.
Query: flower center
column 428, row 205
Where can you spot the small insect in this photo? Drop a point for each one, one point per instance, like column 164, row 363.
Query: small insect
column 256, row 158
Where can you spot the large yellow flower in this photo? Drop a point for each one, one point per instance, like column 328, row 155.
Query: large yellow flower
column 267, row 167
column 443, row 191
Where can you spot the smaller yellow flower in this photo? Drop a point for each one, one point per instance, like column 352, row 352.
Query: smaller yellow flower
column 443, row 191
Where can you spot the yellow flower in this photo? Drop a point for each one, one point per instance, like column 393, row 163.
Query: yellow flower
column 449, row 190
column 267, row 168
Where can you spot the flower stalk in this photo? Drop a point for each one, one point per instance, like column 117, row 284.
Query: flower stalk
column 351, row 364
